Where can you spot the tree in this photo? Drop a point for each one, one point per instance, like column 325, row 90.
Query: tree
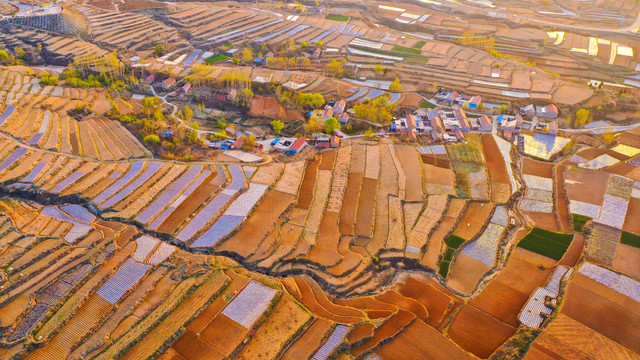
column 304, row 45
column 318, row 44
column 188, row 78
column 221, row 124
column 370, row 134
column 377, row 110
column 236, row 61
column 19, row 52
column 152, row 139
column 331, row 125
column 277, row 126
column 151, row 104
column 503, row 108
column 335, row 68
column 467, row 38
column 395, row 85
column 583, row 117
column 313, row 125
column 159, row 51
column 247, row 55
column 246, row 94
column 308, row 100
column 188, row 113
column 4, row 55
column 378, row 69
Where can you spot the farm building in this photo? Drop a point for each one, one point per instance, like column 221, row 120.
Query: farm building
column 482, row 123
column 289, row 145
column 339, row 107
column 471, row 102
column 550, row 111
column 529, row 110
column 327, row 142
column 447, row 97
column 297, row 146
column 232, row 95
column 328, row 112
column 238, row 144
column 168, row 83
column 510, row 122
column 454, row 120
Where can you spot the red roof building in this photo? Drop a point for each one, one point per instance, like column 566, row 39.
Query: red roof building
column 168, row 83
column 297, row 146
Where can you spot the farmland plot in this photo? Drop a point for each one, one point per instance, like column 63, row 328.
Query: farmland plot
column 410, row 164
column 283, row 322
column 165, row 331
column 259, row 223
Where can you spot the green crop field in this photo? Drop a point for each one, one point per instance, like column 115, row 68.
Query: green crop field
column 579, row 221
column 419, row 44
column 337, row 17
column 454, row 241
column 406, row 49
column 630, row 239
column 547, row 243
column 404, row 55
column 216, row 58
column 427, row 105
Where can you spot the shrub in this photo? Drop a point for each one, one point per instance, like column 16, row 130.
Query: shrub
column 152, row 139
column 48, row 79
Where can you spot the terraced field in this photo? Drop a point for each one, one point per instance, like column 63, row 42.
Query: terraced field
column 379, row 249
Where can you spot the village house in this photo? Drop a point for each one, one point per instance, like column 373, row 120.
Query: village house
column 325, row 142
column 344, row 118
column 327, row 113
column 232, row 95
column 529, row 110
column 549, row 112
column 514, row 123
column 470, row 102
column 168, row 83
column 454, row 120
column 482, row 124
column 449, row 138
column 508, row 134
column 448, row 98
column 238, row 144
column 290, row 146
column 436, row 124
column 297, row 146
column 339, row 107
column 552, row 128
column 185, row 89
column 150, row 79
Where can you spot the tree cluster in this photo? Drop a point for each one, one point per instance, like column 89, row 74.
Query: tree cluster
column 377, row 110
